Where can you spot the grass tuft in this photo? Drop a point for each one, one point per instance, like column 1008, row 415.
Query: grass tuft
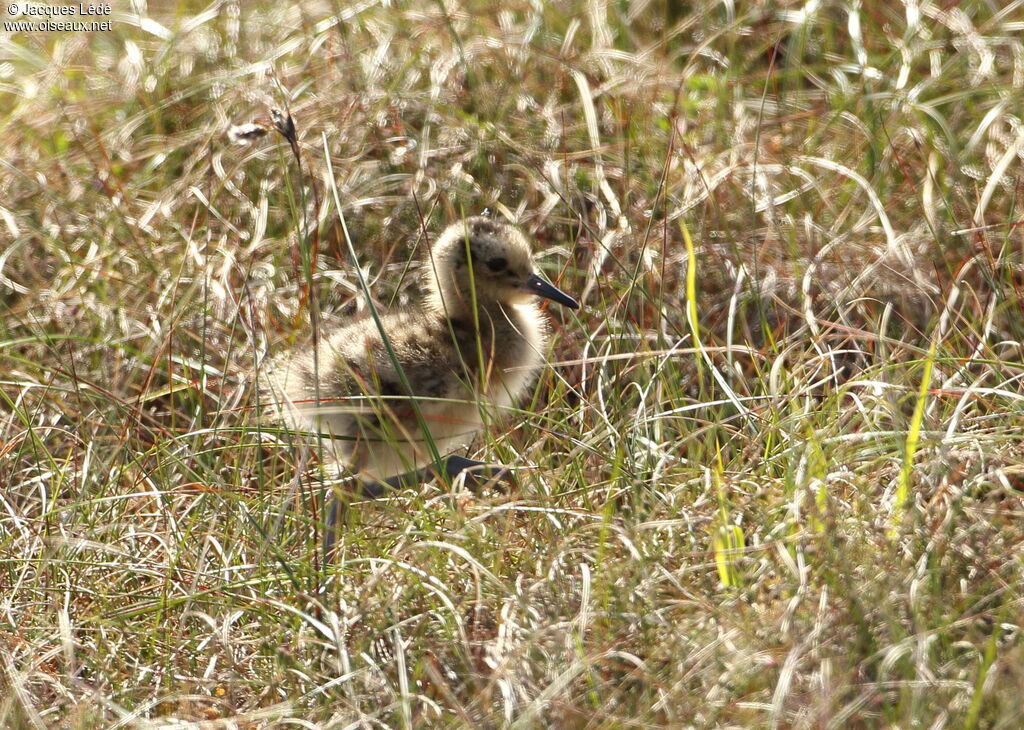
column 771, row 478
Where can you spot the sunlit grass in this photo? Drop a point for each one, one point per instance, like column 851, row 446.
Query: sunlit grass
column 771, row 478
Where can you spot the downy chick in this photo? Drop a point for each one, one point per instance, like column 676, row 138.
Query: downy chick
column 377, row 386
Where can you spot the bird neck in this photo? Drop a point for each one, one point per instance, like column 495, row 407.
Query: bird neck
column 455, row 304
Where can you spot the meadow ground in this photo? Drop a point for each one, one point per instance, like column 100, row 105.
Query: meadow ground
column 772, row 478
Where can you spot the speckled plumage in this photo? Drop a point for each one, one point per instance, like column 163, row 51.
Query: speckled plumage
column 458, row 360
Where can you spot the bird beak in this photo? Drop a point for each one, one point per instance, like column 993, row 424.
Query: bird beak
column 536, row 285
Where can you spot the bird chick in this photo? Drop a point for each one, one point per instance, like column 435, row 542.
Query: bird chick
column 381, row 389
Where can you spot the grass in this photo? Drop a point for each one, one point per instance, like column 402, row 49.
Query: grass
column 772, row 478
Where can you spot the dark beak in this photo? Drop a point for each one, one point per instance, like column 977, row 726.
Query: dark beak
column 541, row 288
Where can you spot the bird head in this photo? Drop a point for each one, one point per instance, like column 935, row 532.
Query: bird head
column 489, row 260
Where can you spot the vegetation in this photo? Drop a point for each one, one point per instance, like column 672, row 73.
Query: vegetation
column 772, row 478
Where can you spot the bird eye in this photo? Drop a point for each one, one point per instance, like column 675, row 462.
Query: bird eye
column 497, row 264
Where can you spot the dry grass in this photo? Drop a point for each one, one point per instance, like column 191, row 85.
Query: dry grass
column 800, row 508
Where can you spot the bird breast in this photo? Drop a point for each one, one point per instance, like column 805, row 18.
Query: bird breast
column 449, row 372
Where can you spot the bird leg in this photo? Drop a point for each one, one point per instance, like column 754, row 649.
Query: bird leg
column 478, row 473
